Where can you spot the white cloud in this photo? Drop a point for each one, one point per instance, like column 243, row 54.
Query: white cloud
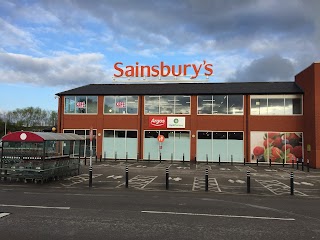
column 63, row 69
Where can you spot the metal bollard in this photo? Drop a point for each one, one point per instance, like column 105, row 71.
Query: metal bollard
column 291, row 184
column 207, row 159
column 244, row 160
column 308, row 165
column 248, row 181
column 127, row 177
column 257, row 162
column 85, row 160
column 160, row 157
column 171, row 158
column 231, row 159
column 183, row 157
column 270, row 162
column 195, row 158
column 115, row 156
column 100, row 157
column 282, row 162
column 137, row 157
column 219, row 159
column 207, row 180
column 297, row 164
column 302, row 164
column 149, row 157
column 90, row 176
column 126, row 156
column 167, row 178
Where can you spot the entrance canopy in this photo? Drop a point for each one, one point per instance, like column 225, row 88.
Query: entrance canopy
column 24, row 136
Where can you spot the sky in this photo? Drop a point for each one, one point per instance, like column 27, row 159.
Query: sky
column 47, row 47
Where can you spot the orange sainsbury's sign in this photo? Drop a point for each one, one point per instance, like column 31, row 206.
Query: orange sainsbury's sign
column 163, row 70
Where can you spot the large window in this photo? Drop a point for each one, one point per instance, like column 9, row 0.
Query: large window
column 81, row 104
column 276, row 104
column 121, row 104
column 220, row 104
column 226, row 146
column 276, row 146
column 120, row 144
column 84, row 144
column 167, row 104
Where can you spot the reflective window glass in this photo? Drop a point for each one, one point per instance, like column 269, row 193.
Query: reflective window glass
column 235, row 104
column 81, row 104
column 69, row 104
column 219, row 104
column 92, row 104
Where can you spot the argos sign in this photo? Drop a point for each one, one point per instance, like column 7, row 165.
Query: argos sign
column 157, row 122
column 163, row 70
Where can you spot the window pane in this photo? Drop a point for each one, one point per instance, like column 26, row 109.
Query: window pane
column 205, row 104
column 109, row 107
column 132, row 104
column 151, row 105
column 132, row 134
column 68, row 131
column 182, row 105
column 108, row 133
column 69, row 104
column 92, row 104
column 235, row 135
column 121, row 106
column 293, row 106
column 219, row 104
column 151, row 134
column 80, row 132
column 275, row 106
column 166, row 104
column 219, row 135
column 259, row 106
column 81, row 104
column 120, row 134
column 204, row 135
column 235, row 104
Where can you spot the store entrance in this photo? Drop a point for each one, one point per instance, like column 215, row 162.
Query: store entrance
column 175, row 145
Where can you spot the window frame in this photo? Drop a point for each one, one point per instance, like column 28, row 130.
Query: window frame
column 75, row 105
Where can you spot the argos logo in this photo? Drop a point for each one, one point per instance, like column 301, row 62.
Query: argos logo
column 162, row 70
column 157, row 122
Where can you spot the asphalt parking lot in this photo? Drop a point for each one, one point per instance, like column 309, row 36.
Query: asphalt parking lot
column 186, row 177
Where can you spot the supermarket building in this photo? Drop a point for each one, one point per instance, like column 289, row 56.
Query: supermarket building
column 249, row 121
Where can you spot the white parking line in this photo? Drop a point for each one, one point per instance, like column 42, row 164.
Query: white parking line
column 218, row 215
column 278, row 188
column 27, row 206
column 4, row 214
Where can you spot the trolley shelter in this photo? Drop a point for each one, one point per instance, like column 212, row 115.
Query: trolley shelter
column 40, row 156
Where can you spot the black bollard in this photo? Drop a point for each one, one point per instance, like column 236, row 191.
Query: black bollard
column 85, row 160
column 297, row 163
column 160, row 157
column 248, row 181
column 171, row 158
column 244, row 161
column 137, row 157
column 257, row 162
column 291, row 184
column 195, row 159
column 282, row 162
column 126, row 156
column 90, row 176
column 183, row 157
column 127, row 177
column 207, row 159
column 308, row 165
column 207, row 180
column 167, row 178
column 100, row 157
column 270, row 162
column 219, row 159
column 302, row 164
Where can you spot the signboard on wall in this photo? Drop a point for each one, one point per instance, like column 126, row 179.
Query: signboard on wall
column 176, row 122
column 157, row 121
